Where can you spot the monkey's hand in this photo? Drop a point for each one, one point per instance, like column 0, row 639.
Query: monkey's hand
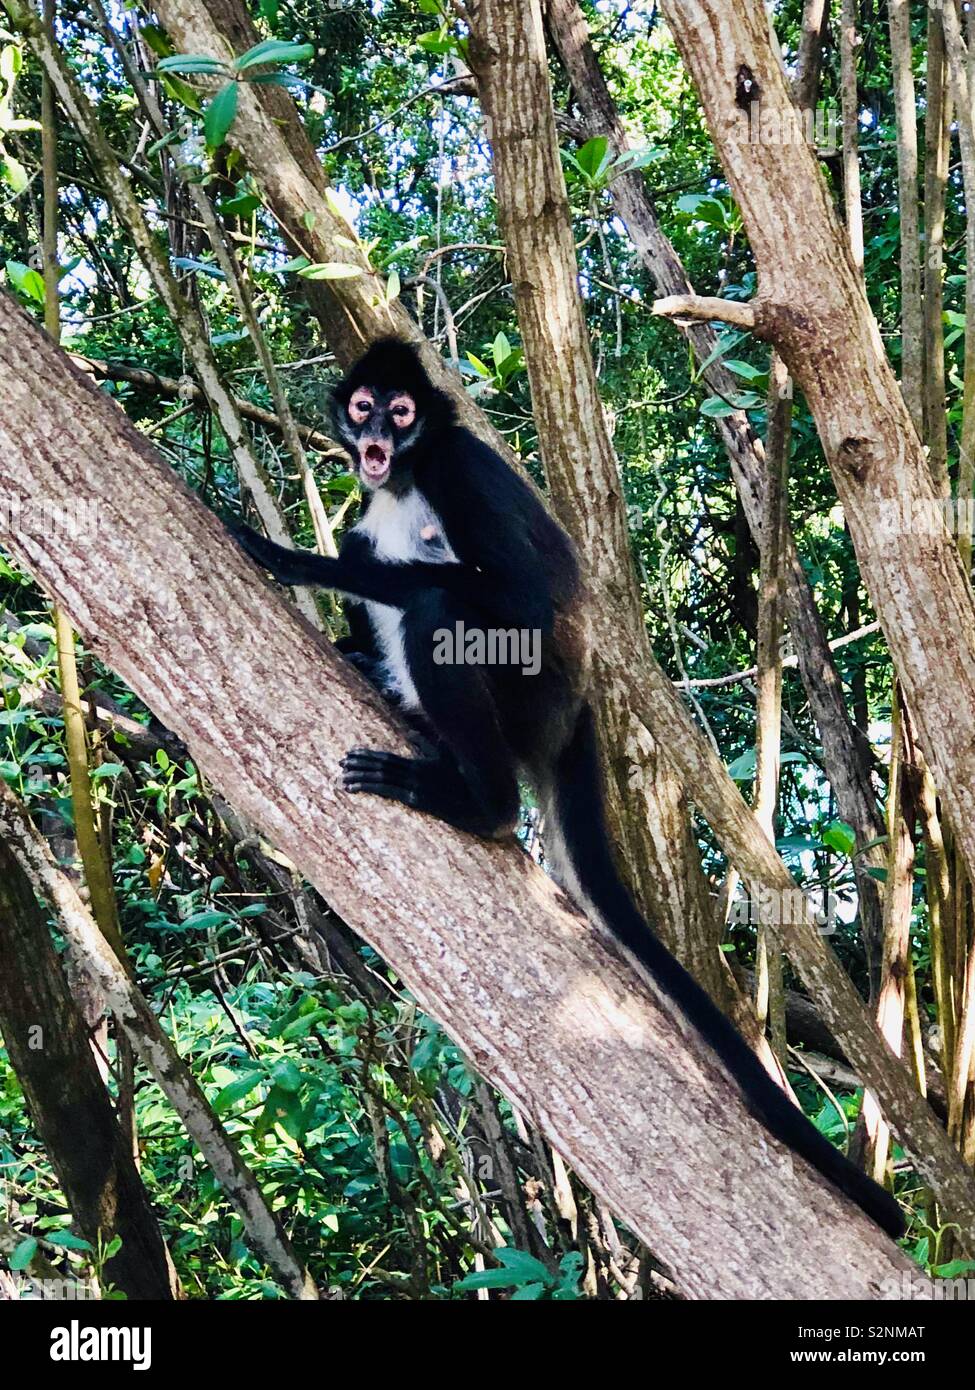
column 288, row 566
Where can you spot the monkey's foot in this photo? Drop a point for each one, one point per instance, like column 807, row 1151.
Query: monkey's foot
column 381, row 774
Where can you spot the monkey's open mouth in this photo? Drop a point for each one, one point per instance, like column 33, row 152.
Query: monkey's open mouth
column 374, row 463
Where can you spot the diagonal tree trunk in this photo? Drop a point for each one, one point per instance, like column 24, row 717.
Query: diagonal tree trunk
column 480, row 936
column 47, row 1042
column 38, row 878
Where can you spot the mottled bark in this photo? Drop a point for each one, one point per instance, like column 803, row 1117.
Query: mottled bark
column 481, row 937
column 905, row 108
column 937, row 148
column 47, row 1042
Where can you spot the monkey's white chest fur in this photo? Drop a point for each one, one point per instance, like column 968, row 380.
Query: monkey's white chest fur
column 401, row 529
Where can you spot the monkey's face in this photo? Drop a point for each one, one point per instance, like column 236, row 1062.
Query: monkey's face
column 378, row 427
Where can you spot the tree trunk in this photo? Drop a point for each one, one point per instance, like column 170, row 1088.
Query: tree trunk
column 486, row 943
column 47, row 1042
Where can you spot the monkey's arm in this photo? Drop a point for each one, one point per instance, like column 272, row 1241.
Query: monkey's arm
column 359, row 574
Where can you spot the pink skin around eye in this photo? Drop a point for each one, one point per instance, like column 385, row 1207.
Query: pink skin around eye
column 403, row 411
column 360, row 405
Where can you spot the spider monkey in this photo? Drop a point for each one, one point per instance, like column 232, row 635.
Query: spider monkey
column 451, row 534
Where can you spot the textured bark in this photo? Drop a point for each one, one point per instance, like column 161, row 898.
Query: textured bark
column 647, row 811
column 811, row 305
column 937, row 149
column 905, row 106
column 846, row 751
column 482, row 938
column 47, row 1042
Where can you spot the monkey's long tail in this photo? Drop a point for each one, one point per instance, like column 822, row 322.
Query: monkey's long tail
column 592, row 877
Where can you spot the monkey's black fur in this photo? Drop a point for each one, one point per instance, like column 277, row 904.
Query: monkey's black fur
column 452, row 534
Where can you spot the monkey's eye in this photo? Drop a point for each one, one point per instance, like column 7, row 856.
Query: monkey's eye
column 403, row 411
column 360, row 406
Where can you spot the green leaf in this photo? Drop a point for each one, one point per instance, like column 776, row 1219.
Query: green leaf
column 331, row 270
column 286, row 1076
column 204, row 267
column 486, row 1279
column 954, row 1268
column 500, row 349
column 480, row 367
column 525, row 1266
column 274, row 51
column 393, row 286
column 840, row 837
column 527, row 1293
column 744, row 369
column 592, row 156
column 704, row 208
column 241, row 205
column 189, row 63
column 201, row 920
column 743, row 768
column 637, row 159
column 220, row 115
column 105, row 770
column 22, row 1254
column 299, row 263
column 157, row 40
column 715, row 408
column 11, row 61
column 724, row 344
column 238, row 1089
column 436, row 42
column 14, row 174
column 67, row 1240
column 181, row 92
column 28, row 282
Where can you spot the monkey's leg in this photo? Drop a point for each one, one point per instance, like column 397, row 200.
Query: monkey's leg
column 470, row 782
